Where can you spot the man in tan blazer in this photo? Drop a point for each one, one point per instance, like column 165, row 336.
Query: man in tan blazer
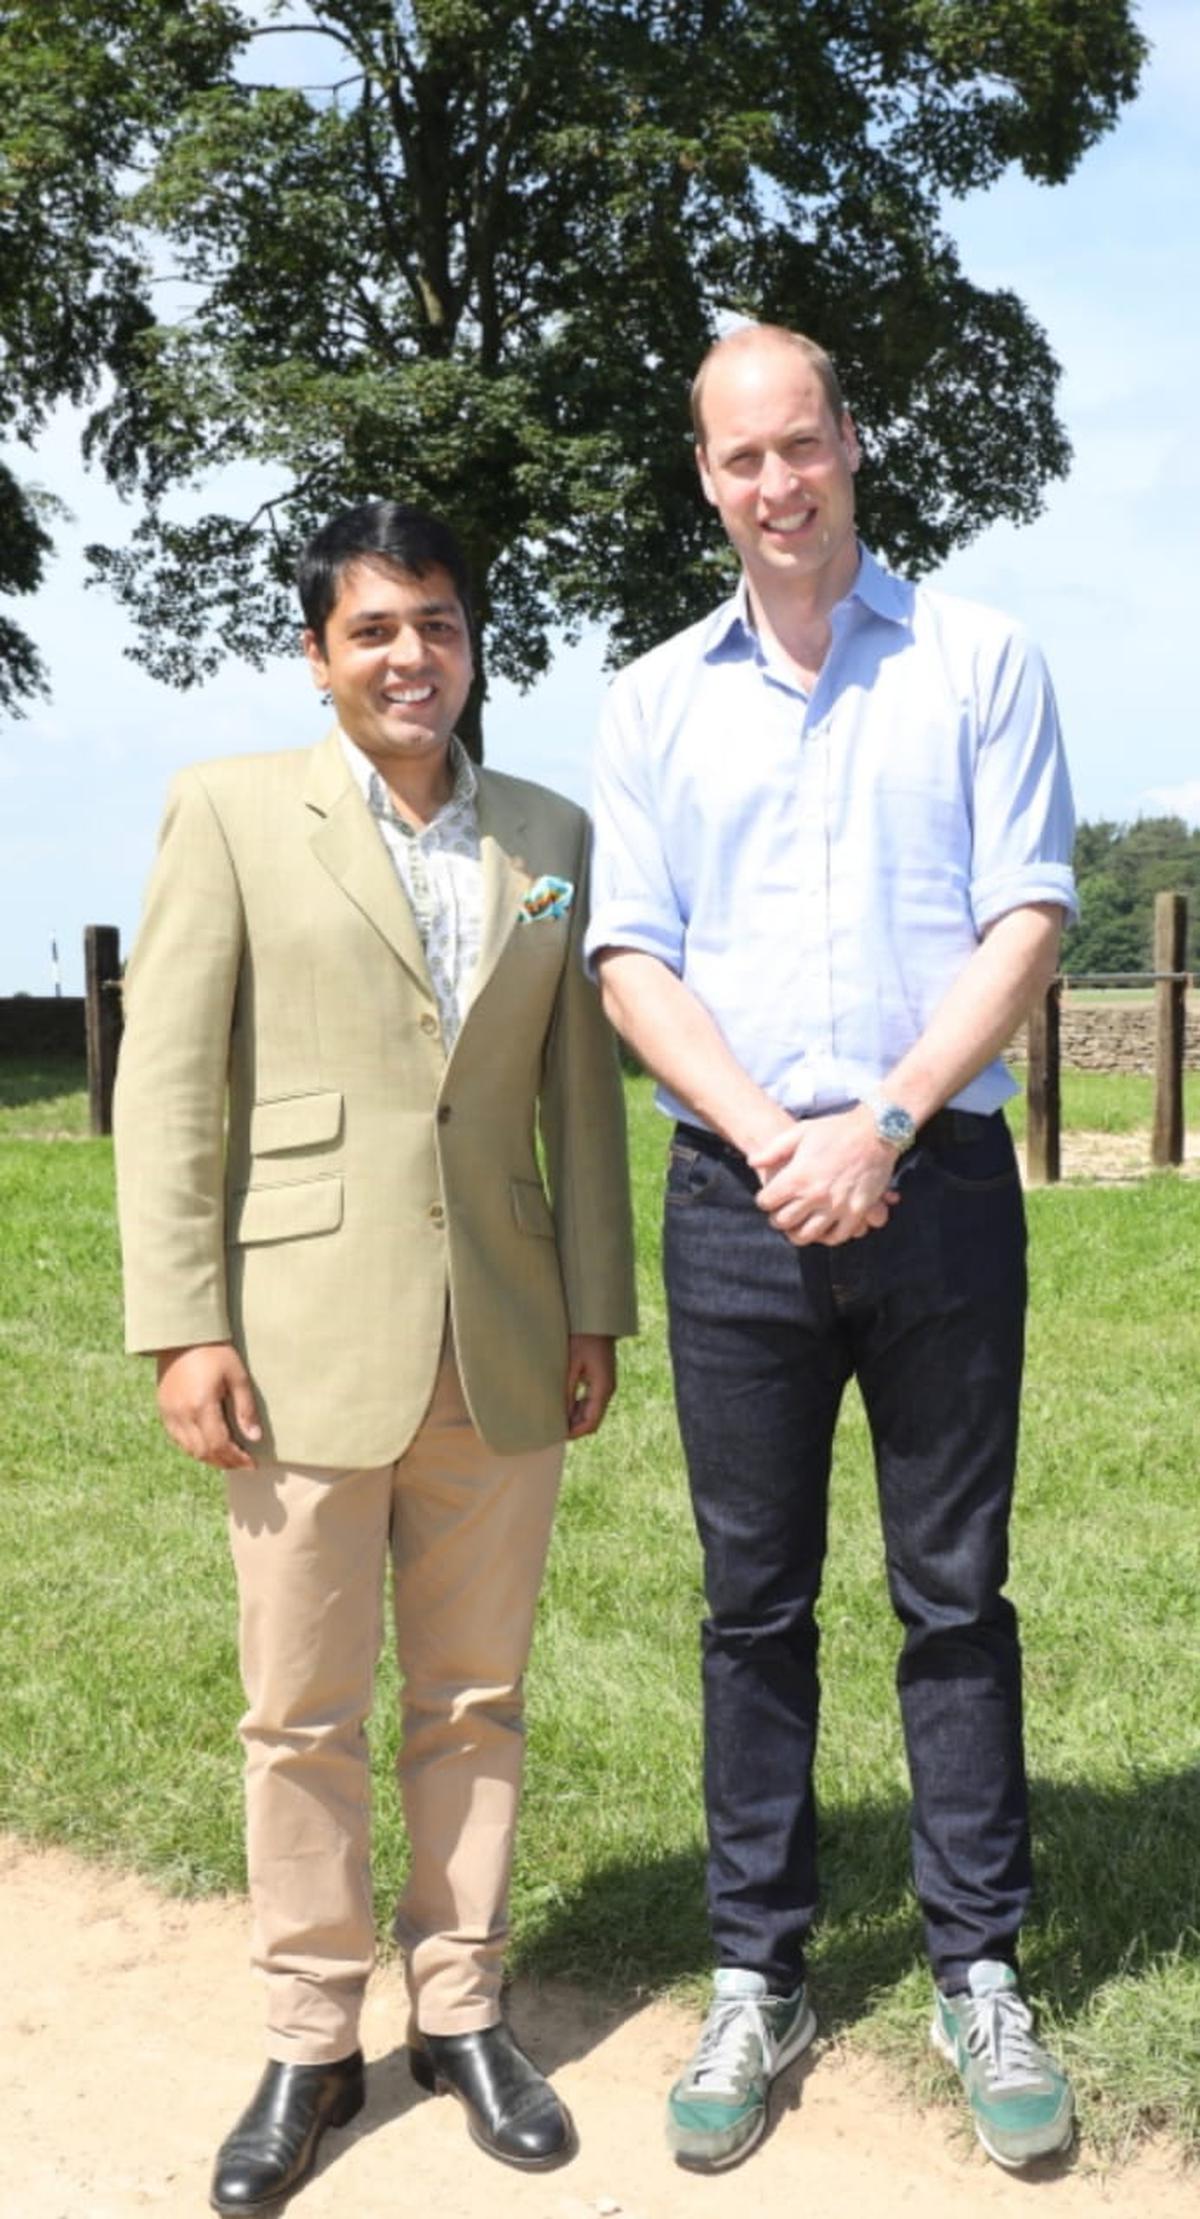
column 357, row 1024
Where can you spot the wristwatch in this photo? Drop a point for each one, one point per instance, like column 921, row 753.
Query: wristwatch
column 892, row 1123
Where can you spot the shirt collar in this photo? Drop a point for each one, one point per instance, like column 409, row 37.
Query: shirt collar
column 879, row 591
column 731, row 627
column 463, row 791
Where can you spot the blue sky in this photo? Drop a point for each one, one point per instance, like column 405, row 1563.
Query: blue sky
column 1105, row 579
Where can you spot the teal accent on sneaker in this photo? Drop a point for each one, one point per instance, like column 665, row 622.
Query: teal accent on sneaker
column 717, row 2110
column 1020, row 2100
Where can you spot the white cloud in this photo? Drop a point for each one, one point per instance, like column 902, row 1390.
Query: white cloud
column 1172, row 801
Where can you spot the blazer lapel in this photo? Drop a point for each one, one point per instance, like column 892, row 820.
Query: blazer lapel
column 348, row 844
column 506, row 874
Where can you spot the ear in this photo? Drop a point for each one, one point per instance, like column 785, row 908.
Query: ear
column 315, row 658
column 849, row 439
column 710, row 491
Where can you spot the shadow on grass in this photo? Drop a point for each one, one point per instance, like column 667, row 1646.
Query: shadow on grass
column 25, row 1079
column 636, row 1927
column 1118, row 1891
column 1118, row 1881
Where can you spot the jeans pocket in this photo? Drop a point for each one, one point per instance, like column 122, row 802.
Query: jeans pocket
column 689, row 1175
column 980, row 1165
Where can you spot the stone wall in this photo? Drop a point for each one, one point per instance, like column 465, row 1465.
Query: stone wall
column 1097, row 1037
column 1114, row 1037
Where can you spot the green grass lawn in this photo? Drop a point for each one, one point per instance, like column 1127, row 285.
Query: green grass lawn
column 43, row 1098
column 117, row 1649
column 1109, row 997
column 1108, row 1102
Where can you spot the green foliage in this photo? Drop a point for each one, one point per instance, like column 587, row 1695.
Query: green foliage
column 73, row 279
column 24, row 546
column 117, row 1653
column 1120, row 868
column 473, row 258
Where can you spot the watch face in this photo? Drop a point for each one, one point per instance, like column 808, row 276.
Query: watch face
column 895, row 1126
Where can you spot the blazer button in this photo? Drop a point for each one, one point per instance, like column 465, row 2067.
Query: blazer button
column 429, row 1023
column 443, row 1117
column 437, row 1215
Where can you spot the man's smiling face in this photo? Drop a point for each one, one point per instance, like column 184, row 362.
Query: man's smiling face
column 396, row 657
column 778, row 465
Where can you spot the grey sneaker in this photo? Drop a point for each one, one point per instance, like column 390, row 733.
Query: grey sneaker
column 717, row 2110
column 1020, row 2099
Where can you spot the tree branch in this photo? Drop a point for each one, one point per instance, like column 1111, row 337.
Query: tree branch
column 382, row 197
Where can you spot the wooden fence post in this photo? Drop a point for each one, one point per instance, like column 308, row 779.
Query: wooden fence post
column 1043, row 1091
column 1170, row 947
column 102, row 1011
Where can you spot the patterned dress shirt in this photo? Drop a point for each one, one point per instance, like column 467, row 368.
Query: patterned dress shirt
column 440, row 867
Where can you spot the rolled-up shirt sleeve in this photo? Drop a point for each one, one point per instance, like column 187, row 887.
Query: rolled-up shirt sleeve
column 1024, row 817
column 634, row 901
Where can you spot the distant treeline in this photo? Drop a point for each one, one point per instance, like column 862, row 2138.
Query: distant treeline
column 1120, row 868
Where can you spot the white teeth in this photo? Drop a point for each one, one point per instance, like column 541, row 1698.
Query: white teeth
column 788, row 523
column 406, row 696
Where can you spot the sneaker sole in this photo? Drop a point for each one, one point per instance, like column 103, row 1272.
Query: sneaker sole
column 1033, row 2157
column 945, row 2048
column 792, row 2049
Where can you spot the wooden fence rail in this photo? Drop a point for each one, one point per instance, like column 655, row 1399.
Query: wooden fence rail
column 1043, row 1142
column 1043, row 1132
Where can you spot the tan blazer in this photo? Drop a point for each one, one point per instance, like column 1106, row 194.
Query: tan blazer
column 301, row 1168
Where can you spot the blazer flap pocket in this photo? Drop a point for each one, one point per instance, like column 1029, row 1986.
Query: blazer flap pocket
column 286, row 1212
column 295, row 1121
column 530, row 1208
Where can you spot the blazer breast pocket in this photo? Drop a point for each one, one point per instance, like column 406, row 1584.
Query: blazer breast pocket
column 293, row 1211
column 541, row 933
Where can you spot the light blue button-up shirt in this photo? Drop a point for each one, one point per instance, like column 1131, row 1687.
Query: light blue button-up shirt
column 818, row 868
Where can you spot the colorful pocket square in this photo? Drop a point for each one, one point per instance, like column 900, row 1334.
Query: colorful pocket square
column 547, row 897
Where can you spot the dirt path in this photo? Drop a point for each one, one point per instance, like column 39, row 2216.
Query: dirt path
column 129, row 2036
column 1118, row 1159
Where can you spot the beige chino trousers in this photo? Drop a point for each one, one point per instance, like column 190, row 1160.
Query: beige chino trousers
column 467, row 1531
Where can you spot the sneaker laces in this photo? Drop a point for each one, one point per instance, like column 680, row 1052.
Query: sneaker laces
column 725, row 2053
column 1000, row 2034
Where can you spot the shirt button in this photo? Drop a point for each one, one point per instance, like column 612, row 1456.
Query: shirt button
column 429, row 1023
column 437, row 1215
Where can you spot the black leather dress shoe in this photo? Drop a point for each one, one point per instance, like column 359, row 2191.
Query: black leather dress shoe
column 273, row 2147
column 512, row 2111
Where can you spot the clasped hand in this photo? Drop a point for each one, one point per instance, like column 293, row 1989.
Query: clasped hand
column 826, row 1179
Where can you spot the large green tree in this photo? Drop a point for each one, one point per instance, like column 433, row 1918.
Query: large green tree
column 1120, row 868
column 469, row 251
column 75, row 281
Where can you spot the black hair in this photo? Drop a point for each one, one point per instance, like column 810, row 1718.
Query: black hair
column 388, row 533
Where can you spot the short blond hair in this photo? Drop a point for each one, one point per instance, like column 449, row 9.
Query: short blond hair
column 747, row 335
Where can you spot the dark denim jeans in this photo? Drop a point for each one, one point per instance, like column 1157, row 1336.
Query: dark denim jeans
column 928, row 1314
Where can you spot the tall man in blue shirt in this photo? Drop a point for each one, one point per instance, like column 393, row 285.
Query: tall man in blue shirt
column 834, row 836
